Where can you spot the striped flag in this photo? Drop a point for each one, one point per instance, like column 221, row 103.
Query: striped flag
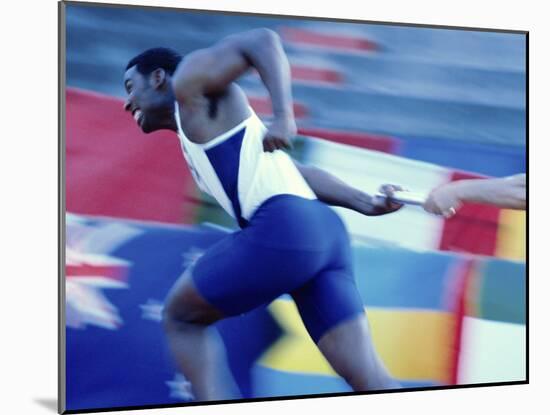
column 476, row 229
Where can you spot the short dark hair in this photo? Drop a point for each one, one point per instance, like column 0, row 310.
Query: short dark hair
column 154, row 58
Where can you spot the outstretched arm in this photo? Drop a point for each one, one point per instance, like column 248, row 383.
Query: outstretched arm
column 333, row 191
column 508, row 192
column 212, row 70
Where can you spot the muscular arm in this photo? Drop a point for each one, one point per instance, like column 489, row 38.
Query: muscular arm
column 508, row 193
column 333, row 191
column 212, row 70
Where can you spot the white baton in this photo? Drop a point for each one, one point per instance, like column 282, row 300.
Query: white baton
column 405, row 197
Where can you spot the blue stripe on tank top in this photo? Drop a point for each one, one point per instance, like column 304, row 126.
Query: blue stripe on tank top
column 225, row 159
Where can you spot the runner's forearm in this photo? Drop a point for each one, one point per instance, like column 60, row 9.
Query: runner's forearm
column 333, row 191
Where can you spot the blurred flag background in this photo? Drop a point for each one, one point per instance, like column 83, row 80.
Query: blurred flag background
column 374, row 104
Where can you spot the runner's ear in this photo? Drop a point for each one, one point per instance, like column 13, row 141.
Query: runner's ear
column 157, row 78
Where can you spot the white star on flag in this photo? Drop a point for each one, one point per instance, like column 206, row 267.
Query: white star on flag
column 152, row 310
column 180, row 388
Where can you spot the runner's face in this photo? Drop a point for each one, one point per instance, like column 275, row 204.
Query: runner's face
column 145, row 101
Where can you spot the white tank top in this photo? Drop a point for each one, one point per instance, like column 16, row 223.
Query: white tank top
column 234, row 169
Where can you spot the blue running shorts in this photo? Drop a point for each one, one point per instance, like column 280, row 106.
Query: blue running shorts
column 290, row 245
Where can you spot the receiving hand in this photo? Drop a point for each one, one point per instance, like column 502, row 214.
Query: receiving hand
column 443, row 201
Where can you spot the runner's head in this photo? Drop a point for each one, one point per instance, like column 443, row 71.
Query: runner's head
column 147, row 82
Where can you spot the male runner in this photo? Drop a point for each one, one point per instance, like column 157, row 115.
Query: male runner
column 290, row 242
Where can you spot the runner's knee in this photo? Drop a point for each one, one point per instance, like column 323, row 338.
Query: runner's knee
column 185, row 306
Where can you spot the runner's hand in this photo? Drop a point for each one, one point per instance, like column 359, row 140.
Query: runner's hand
column 279, row 134
column 384, row 206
